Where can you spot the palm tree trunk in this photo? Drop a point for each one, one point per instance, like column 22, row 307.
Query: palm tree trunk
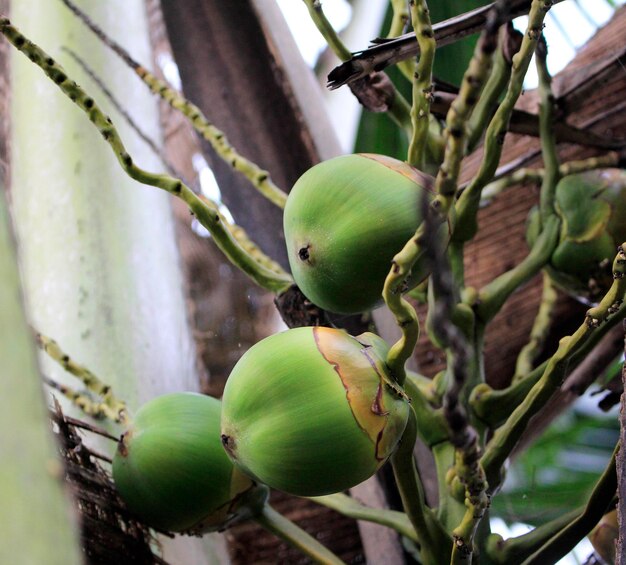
column 98, row 253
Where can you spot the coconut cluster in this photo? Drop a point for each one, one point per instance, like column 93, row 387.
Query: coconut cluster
column 592, row 208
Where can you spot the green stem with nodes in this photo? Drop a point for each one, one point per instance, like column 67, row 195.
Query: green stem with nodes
column 446, row 188
column 258, row 177
column 521, row 547
column 539, row 331
column 562, row 543
column 495, row 85
column 461, row 108
column 468, row 203
column 403, row 311
column 399, row 110
column 494, row 295
column 549, row 151
column 422, row 83
column 611, row 159
column 206, row 211
column 326, row 29
column 431, row 424
column 399, row 21
column 110, row 407
column 86, row 404
column 434, row 541
column 492, row 407
column 286, row 530
column 350, row 507
column 505, row 439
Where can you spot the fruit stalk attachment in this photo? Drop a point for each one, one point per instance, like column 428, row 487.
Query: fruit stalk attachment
column 286, row 530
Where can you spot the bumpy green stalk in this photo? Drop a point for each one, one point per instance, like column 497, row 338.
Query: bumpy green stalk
column 403, row 311
column 258, row 177
column 549, row 151
column 494, row 87
column 611, row 159
column 326, row 29
column 467, row 205
column 110, row 407
column 435, row 543
column 206, row 211
column 494, row 295
column 461, row 108
column 446, row 184
column 401, row 17
column 348, row 506
column 505, row 439
column 515, row 549
column 539, row 331
column 492, row 407
column 286, row 530
column 561, row 544
column 399, row 108
column 85, row 403
column 422, row 83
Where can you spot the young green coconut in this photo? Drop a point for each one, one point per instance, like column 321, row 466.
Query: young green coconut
column 313, row 410
column 171, row 470
column 592, row 207
column 344, row 221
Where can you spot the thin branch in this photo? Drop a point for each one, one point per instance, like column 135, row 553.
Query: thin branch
column 422, row 83
column 505, row 439
column 258, row 177
column 468, row 203
column 562, row 543
column 206, row 211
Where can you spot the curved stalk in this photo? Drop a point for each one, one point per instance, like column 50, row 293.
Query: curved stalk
column 206, row 212
column 539, row 331
column 467, row 205
column 561, row 544
column 350, row 507
column 286, row 530
column 399, row 110
column 495, row 85
column 610, row 159
column 495, row 294
column 505, row 439
column 549, row 151
column 435, row 543
column 258, row 177
column 510, row 550
column 422, row 83
column 110, row 407
column 399, row 22
column 493, row 407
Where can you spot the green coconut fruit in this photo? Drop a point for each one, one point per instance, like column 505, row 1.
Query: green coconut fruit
column 172, row 472
column 592, row 208
column 313, row 410
column 344, row 221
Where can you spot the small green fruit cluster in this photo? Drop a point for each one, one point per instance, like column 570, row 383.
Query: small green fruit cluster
column 344, row 221
column 171, row 470
column 592, row 208
column 313, row 410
